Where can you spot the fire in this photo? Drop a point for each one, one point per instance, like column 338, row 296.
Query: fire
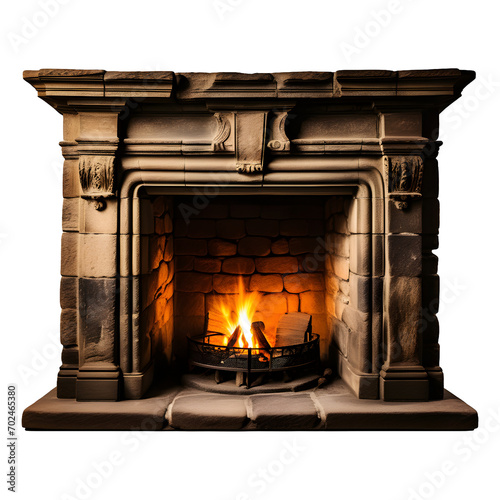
column 239, row 311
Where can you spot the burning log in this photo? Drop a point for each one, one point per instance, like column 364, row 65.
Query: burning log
column 293, row 328
column 234, row 337
column 257, row 330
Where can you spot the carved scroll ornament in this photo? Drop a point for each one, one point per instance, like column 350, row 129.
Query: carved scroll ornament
column 97, row 178
column 404, row 178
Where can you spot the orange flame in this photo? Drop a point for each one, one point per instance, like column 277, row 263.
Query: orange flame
column 240, row 310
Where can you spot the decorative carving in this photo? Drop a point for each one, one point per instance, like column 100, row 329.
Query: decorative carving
column 404, row 178
column 223, row 132
column 279, row 140
column 248, row 168
column 250, row 141
column 97, row 178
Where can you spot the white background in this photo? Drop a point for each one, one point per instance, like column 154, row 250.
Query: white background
column 253, row 36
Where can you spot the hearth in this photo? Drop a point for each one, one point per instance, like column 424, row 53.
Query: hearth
column 250, row 251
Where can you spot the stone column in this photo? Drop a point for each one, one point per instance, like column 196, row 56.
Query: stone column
column 403, row 376
column 96, row 247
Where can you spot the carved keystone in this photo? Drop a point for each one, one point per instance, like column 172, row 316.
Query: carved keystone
column 404, row 178
column 250, row 137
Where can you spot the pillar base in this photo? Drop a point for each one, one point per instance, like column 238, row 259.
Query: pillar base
column 403, row 383
column 98, row 384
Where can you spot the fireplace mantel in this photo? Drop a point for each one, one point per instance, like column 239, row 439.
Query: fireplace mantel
column 370, row 137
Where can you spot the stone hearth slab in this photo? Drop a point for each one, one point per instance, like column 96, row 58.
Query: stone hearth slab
column 51, row 413
column 333, row 408
column 207, row 411
column 284, row 412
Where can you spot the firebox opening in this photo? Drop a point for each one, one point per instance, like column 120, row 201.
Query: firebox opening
column 287, row 253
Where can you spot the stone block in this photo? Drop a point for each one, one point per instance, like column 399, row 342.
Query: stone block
column 404, row 255
column 255, row 246
column 340, row 244
column 403, row 303
column 69, row 327
column 401, row 124
column 213, row 211
column 359, row 219
column 98, row 255
column 193, row 282
column 184, row 263
column 238, row 265
column 360, row 292
column 266, row 282
column 429, row 327
column 208, row 412
column 221, row 248
column 311, row 263
column 168, row 223
column 165, row 273
column 180, row 228
column 292, row 301
column 284, row 412
column 340, row 266
column 404, row 221
column 316, row 227
column 283, row 265
column 262, row 227
column 430, row 179
column 430, row 293
column 187, row 304
column 275, row 303
column 158, row 206
column 244, row 211
column 98, row 316
column 430, row 215
column 168, row 254
column 206, row 265
column 429, row 263
column 187, row 246
column 278, row 212
column 201, row 228
column 231, row 229
column 360, row 254
column 312, row 302
column 280, row 247
column 156, row 250
column 309, row 211
column 226, row 283
column 160, row 226
column 340, row 223
column 304, row 282
column 430, row 242
column 68, row 292
column 340, row 334
column 71, row 179
column 359, row 339
column 305, row 245
column 294, row 227
column 430, row 355
column 71, row 214
column 69, row 254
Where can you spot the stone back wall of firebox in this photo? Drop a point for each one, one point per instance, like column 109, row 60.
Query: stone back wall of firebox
column 292, row 249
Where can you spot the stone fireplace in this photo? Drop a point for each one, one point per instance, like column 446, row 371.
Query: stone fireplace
column 317, row 192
